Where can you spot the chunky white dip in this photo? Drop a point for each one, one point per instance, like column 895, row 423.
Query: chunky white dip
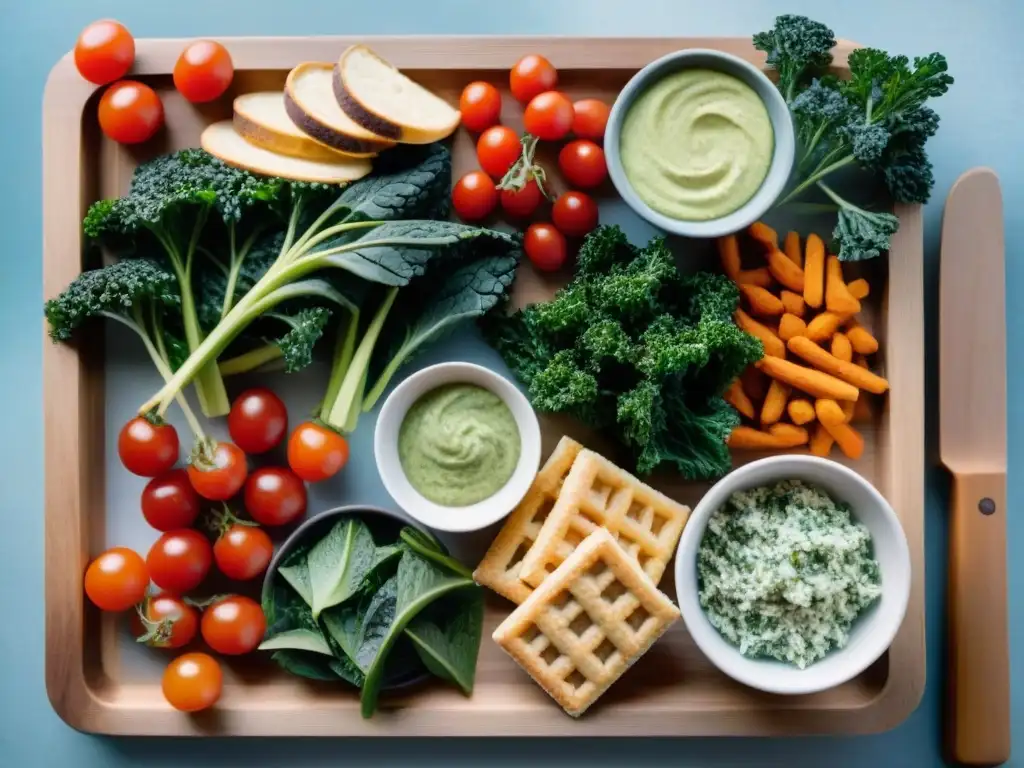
column 783, row 571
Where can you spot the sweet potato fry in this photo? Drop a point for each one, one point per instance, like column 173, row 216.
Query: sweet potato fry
column 774, row 402
column 803, row 347
column 761, row 301
column 849, row 440
column 755, row 384
column 785, row 271
column 790, row 326
column 837, row 296
column 829, row 412
column 772, row 343
column 761, row 277
column 821, row 328
column 809, row 380
column 821, row 441
column 750, row 439
column 729, row 253
column 737, row 398
column 793, row 302
column 861, row 340
column 841, row 347
column 801, row 411
column 814, row 271
column 859, row 289
column 792, row 248
column 765, row 235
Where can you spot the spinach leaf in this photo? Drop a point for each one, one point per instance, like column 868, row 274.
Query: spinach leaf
column 444, row 299
column 311, row 640
column 339, row 562
column 346, row 669
column 429, row 548
column 417, row 584
column 305, row 664
column 297, row 576
column 290, row 623
column 447, row 636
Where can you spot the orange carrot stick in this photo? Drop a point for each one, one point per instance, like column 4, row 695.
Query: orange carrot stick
column 737, row 398
column 814, row 271
column 761, row 300
column 800, row 411
column 823, row 326
column 859, row 289
column 861, row 340
column 764, row 234
column 774, row 402
column 837, row 296
column 785, row 271
column 821, row 441
column 748, row 438
column 761, row 277
column 772, row 344
column 793, row 303
column 807, row 380
column 803, row 347
column 792, row 248
column 790, row 326
column 794, row 436
column 829, row 412
column 729, row 253
column 849, row 440
column 841, row 347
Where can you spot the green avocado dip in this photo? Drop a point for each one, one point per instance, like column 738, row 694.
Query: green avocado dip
column 458, row 444
column 697, row 144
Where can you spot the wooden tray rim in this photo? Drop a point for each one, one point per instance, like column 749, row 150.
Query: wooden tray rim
column 79, row 701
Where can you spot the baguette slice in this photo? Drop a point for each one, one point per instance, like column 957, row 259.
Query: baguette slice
column 223, row 141
column 383, row 100
column 310, row 103
column 261, row 119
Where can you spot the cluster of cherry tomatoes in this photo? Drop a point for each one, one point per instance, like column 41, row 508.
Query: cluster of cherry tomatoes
column 182, row 557
column 131, row 112
column 511, row 178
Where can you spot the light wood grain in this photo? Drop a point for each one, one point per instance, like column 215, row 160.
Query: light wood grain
column 972, row 386
column 672, row 691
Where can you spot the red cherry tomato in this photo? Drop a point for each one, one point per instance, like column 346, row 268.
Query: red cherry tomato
column 316, row 452
column 147, row 449
column 480, row 105
column 496, row 149
column 243, row 552
column 130, row 112
column 258, row 420
column 169, row 501
column 531, row 75
column 192, row 682
column 222, row 476
column 179, row 560
column 575, row 214
column 520, row 203
column 203, row 71
column 590, row 116
column 582, row 163
column 167, row 621
column 116, row 580
column 233, row 625
column 275, row 495
column 549, row 116
column 474, row 196
column 545, row 246
column 104, row 52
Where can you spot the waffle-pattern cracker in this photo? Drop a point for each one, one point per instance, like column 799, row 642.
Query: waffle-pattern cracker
column 587, row 623
column 499, row 569
column 647, row 524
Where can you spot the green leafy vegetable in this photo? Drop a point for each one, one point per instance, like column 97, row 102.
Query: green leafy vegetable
column 312, row 666
column 876, row 121
column 633, row 347
column 447, row 636
column 339, row 562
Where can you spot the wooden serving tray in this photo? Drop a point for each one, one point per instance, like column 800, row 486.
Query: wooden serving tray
column 673, row 691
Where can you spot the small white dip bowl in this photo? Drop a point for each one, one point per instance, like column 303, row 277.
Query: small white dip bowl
column 429, row 513
column 875, row 628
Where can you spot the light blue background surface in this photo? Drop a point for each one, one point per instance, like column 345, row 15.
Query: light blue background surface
column 982, row 117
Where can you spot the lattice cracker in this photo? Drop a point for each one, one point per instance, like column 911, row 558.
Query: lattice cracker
column 499, row 568
column 646, row 524
column 587, row 623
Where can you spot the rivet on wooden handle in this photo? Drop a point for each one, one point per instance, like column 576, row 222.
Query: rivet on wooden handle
column 979, row 667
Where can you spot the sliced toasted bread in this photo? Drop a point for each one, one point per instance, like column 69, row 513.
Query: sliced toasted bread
column 383, row 100
column 223, row 141
column 261, row 119
column 310, row 103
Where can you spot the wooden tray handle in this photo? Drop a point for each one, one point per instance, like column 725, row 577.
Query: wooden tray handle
column 979, row 666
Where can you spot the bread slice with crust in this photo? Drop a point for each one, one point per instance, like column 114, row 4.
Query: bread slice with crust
column 381, row 99
column 261, row 119
column 309, row 102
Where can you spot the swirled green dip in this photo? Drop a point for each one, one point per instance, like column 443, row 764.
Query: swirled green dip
column 697, row 144
column 458, row 444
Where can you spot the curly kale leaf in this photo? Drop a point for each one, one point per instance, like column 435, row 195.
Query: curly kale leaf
column 798, row 48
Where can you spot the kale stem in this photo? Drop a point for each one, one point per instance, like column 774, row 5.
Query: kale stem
column 842, row 202
column 293, row 223
column 251, row 360
column 814, row 178
column 305, row 247
column 396, row 362
column 236, row 264
column 344, row 349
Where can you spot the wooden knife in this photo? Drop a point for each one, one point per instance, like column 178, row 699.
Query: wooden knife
column 972, row 429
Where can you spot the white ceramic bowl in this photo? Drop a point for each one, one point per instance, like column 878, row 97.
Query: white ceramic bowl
column 782, row 156
column 427, row 512
column 874, row 630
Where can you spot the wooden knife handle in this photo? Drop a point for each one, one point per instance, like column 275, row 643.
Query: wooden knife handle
column 979, row 673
